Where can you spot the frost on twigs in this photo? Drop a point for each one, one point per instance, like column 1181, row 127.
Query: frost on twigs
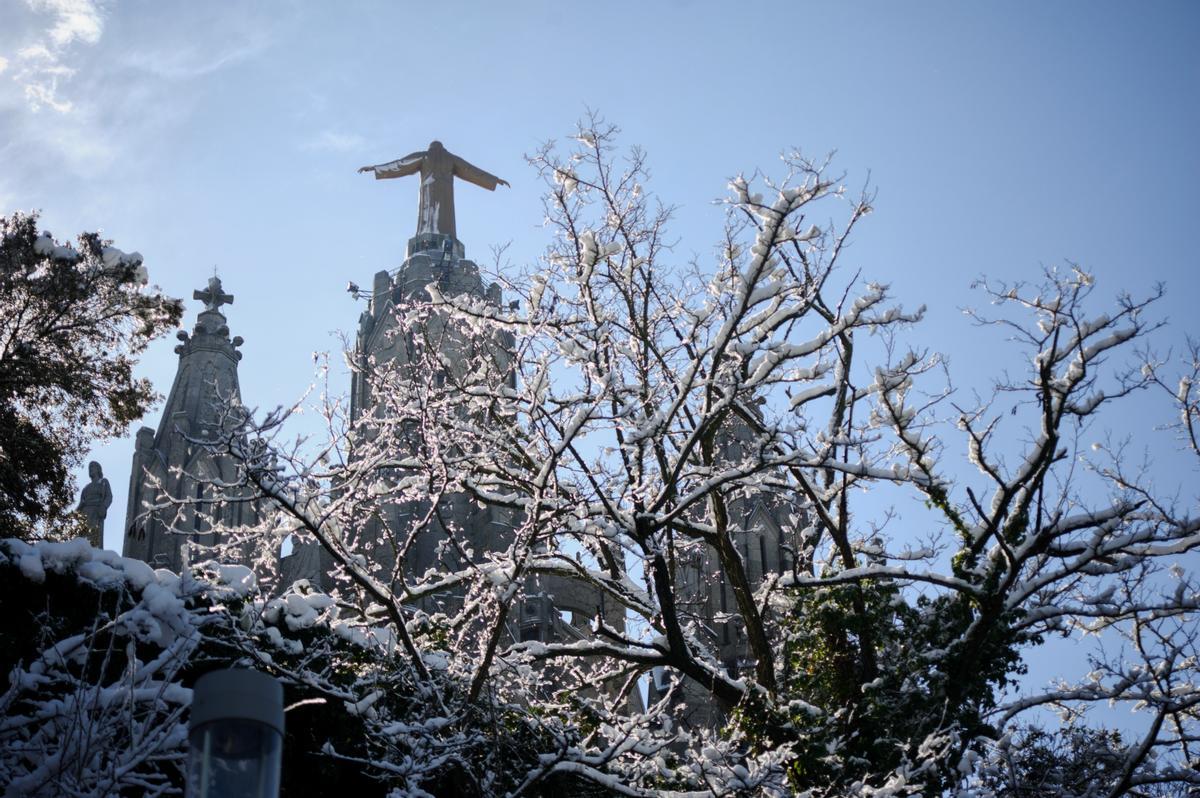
column 637, row 501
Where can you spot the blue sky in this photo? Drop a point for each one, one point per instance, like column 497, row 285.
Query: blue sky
column 1000, row 137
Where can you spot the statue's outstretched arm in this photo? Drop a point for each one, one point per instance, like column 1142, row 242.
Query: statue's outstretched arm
column 473, row 174
column 409, row 164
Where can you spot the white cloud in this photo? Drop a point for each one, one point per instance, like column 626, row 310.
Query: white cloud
column 38, row 67
column 93, row 99
column 35, row 53
column 334, row 141
column 91, row 85
column 43, row 92
column 183, row 63
column 73, row 19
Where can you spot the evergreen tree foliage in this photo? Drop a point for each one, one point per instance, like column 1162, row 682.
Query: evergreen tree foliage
column 73, row 320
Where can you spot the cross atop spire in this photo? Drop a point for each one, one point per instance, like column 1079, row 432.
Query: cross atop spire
column 213, row 297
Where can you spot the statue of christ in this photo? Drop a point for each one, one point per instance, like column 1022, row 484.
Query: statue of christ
column 438, row 167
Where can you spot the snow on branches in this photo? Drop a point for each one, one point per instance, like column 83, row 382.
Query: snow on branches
column 687, row 447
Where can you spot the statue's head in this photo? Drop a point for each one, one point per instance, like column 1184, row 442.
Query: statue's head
column 94, row 470
column 435, row 145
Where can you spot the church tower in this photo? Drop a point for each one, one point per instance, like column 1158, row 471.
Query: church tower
column 170, row 485
column 554, row 607
column 382, row 345
column 434, row 258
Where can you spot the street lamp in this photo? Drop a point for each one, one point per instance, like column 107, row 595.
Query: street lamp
column 235, row 735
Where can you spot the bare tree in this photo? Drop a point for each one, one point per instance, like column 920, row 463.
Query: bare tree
column 644, row 429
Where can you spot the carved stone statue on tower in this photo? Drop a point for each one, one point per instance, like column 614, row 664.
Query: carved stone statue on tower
column 94, row 501
column 438, row 167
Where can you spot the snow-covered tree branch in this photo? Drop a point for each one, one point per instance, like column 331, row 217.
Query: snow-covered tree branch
column 696, row 445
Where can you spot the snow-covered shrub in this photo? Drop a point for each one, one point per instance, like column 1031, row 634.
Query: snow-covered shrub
column 96, row 649
column 100, row 652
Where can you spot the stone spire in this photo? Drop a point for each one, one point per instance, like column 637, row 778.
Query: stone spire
column 171, row 463
column 206, row 384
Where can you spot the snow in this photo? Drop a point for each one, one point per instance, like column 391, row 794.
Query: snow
column 137, row 572
column 31, row 567
column 112, row 257
column 60, row 557
column 567, row 180
column 101, row 574
column 363, row 706
column 44, row 245
column 276, row 638
column 238, row 577
column 299, row 615
column 319, row 601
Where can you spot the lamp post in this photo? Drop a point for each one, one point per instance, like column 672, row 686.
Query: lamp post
column 235, row 735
